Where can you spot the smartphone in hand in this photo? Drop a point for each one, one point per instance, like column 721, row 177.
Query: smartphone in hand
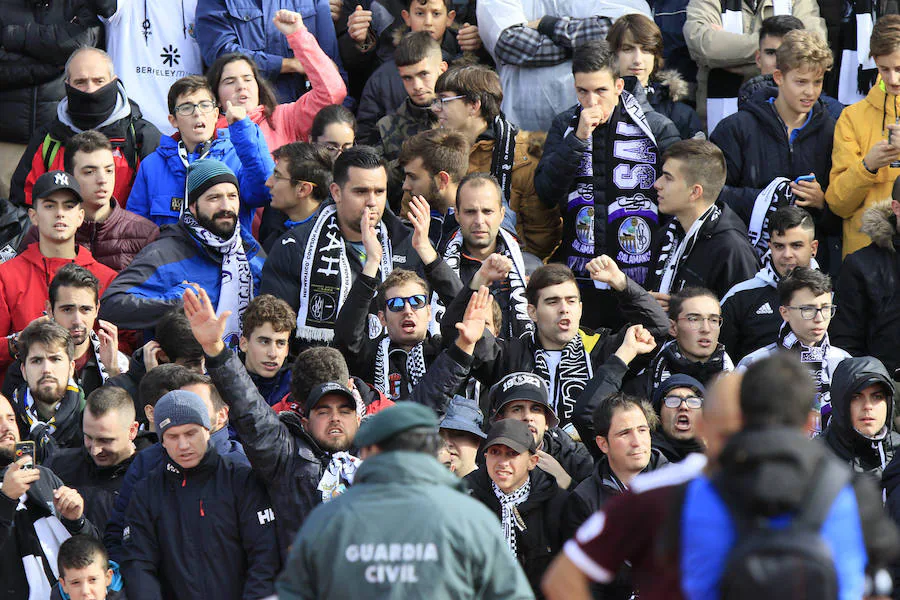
column 25, row 448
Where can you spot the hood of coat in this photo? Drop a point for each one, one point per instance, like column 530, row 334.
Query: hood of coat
column 851, row 375
column 670, row 84
column 880, row 224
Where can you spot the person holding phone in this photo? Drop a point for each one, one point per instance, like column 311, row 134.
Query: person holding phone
column 44, row 497
column 784, row 131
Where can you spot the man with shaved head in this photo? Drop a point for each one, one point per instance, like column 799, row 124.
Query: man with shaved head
column 627, row 527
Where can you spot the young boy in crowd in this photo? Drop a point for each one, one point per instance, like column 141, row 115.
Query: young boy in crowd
column 160, row 188
column 266, row 330
column 85, row 572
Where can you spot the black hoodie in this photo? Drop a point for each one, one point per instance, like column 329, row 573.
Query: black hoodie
column 865, row 455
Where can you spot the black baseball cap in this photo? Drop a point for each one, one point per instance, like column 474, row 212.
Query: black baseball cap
column 53, row 181
column 521, row 386
column 326, row 389
column 512, row 433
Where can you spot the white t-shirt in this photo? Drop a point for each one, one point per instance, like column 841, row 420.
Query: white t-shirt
column 152, row 50
column 553, row 357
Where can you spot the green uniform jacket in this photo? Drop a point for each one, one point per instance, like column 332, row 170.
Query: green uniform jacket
column 405, row 529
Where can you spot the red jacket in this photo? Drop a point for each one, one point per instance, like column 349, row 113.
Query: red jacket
column 115, row 241
column 25, row 289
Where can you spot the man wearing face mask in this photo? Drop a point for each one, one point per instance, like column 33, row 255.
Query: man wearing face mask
column 95, row 99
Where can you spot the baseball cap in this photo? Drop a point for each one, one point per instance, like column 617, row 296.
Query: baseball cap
column 512, row 433
column 324, row 389
column 53, row 181
column 521, row 386
column 395, row 419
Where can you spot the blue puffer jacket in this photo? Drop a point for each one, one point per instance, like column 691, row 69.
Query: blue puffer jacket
column 156, row 279
column 159, row 185
column 246, row 26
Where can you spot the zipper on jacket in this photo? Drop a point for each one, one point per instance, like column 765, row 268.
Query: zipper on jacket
column 202, row 514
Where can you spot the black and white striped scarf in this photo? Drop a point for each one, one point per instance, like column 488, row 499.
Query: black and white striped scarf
column 415, row 369
column 676, row 249
column 509, row 513
column 326, row 278
column 775, row 195
column 858, row 71
column 504, row 153
column 570, row 379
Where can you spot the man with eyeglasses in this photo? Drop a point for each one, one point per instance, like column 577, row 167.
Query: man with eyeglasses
column 298, row 185
column 807, row 308
column 695, row 320
column 159, row 191
column 678, row 402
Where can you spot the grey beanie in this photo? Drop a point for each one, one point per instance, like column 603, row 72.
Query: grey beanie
column 180, row 407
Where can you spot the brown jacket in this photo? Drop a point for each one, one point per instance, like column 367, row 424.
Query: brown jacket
column 539, row 228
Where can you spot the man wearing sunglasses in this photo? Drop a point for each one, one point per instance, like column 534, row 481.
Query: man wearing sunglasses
column 807, row 308
column 678, row 402
column 159, row 192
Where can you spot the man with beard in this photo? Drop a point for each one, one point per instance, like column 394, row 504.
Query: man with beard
column 73, row 303
column 49, row 404
column 208, row 248
column 678, row 402
column 95, row 99
column 32, row 495
column 302, row 461
column 111, row 441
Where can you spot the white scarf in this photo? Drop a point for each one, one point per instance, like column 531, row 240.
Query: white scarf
column 51, row 534
column 509, row 514
column 519, row 321
column 122, row 361
column 338, row 475
column 326, row 278
column 676, row 251
column 236, row 287
column 415, row 368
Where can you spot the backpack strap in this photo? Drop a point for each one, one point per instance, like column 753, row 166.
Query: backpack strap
column 831, row 477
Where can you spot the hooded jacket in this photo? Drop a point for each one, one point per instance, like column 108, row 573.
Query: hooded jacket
column 410, row 501
column 757, row 149
column 37, row 40
column 25, row 288
column 542, row 513
column 132, row 137
column 721, row 257
column 114, row 591
column 592, row 493
column 770, row 470
column 863, row 454
column 203, row 531
column 854, row 189
column 141, row 466
column 867, row 292
column 114, row 242
column 155, row 280
column 159, row 188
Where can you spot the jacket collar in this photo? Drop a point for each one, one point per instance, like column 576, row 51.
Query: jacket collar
column 206, row 465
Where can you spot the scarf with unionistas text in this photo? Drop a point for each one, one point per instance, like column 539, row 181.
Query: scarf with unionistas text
column 236, row 282
column 325, row 276
column 509, row 513
column 814, row 358
column 507, row 245
column 415, row 369
column 677, row 246
column 629, row 218
column 570, row 379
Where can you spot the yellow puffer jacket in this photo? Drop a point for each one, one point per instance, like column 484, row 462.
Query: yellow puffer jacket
column 853, row 189
column 539, row 228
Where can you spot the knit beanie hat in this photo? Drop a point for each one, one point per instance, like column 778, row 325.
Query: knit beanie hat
column 203, row 174
column 179, row 407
